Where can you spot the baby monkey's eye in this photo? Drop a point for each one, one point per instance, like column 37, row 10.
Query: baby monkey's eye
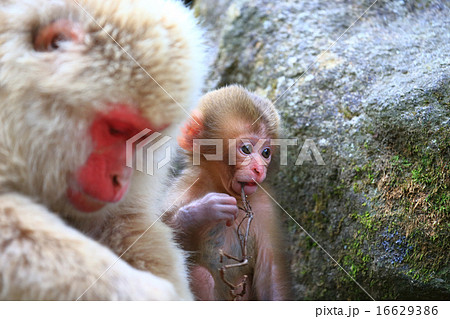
column 246, row 149
column 266, row 153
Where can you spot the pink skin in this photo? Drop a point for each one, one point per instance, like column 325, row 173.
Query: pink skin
column 104, row 178
column 213, row 208
column 251, row 169
column 208, row 211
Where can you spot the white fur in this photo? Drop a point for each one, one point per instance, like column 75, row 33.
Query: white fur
column 47, row 103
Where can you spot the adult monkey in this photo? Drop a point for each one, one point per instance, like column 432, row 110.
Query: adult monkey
column 207, row 217
column 70, row 97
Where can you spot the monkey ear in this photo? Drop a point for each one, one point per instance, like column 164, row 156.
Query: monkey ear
column 191, row 130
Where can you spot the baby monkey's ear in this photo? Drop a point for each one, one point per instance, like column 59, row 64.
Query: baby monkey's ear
column 191, row 130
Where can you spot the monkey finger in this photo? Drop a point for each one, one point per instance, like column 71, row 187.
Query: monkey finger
column 213, row 198
column 226, row 199
column 227, row 209
column 226, row 213
column 214, row 195
column 228, row 221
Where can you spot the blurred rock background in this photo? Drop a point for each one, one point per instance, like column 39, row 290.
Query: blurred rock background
column 374, row 96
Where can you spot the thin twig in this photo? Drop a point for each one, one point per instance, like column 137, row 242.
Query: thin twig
column 243, row 261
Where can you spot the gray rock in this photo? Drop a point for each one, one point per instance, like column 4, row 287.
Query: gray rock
column 371, row 89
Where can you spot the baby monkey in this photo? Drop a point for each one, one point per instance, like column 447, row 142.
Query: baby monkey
column 211, row 218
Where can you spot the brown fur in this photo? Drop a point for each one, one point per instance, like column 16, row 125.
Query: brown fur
column 47, row 101
column 228, row 113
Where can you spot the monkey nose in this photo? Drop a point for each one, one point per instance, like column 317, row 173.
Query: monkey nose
column 258, row 173
column 119, row 182
column 121, row 178
column 116, row 181
column 118, row 186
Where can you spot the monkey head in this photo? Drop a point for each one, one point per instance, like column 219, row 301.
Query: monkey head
column 77, row 80
column 245, row 123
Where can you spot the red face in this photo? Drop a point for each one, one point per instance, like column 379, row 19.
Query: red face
column 253, row 155
column 105, row 178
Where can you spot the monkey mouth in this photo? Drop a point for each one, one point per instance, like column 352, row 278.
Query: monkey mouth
column 249, row 184
column 84, row 202
column 249, row 187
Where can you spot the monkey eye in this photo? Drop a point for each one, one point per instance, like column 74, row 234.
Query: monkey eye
column 115, row 132
column 246, row 149
column 49, row 38
column 266, row 153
